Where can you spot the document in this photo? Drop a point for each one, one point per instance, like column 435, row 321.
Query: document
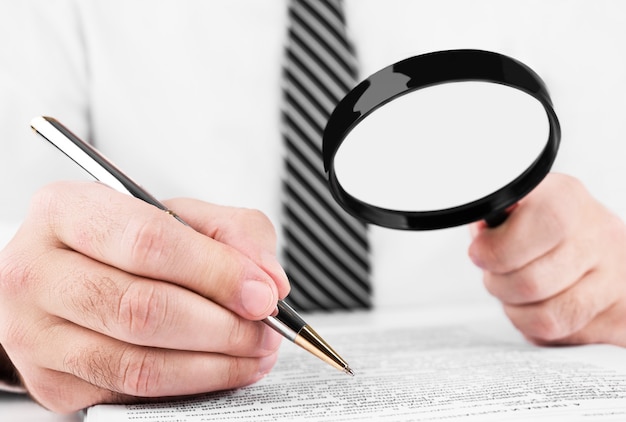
column 461, row 364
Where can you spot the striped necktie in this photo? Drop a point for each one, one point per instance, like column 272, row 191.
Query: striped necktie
column 326, row 250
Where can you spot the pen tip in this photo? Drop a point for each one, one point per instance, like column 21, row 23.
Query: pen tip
column 348, row 371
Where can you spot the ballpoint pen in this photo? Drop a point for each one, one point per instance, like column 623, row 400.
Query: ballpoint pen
column 287, row 322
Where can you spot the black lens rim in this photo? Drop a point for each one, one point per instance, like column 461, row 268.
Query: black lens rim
column 424, row 71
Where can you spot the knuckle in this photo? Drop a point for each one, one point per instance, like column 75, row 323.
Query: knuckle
column 140, row 370
column 146, row 240
column 45, row 200
column 573, row 185
column 142, row 310
column 259, row 218
column 128, row 370
column 235, row 336
column 65, row 212
column 48, row 204
column 514, row 288
column 239, row 336
column 526, row 287
column 235, row 373
column 543, row 325
column 250, row 214
column 490, row 281
column 549, row 324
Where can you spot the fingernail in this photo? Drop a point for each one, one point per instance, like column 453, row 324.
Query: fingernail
column 258, row 298
column 271, row 265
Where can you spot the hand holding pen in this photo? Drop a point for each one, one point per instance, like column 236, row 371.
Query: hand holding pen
column 125, row 302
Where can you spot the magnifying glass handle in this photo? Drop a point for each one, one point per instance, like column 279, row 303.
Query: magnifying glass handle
column 496, row 219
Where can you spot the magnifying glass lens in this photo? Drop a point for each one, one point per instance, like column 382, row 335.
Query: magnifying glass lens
column 442, row 146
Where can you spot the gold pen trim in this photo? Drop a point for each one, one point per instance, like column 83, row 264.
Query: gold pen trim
column 309, row 340
column 172, row 213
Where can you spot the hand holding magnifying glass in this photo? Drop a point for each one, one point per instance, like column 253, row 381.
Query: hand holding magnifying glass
column 477, row 134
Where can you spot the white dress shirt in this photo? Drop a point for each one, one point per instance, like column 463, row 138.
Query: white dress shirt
column 184, row 95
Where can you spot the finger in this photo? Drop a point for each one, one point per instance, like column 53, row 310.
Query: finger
column 248, row 231
column 480, row 225
column 608, row 327
column 539, row 223
column 64, row 393
column 139, row 238
column 544, row 277
column 475, row 228
column 567, row 313
column 140, row 371
column 145, row 312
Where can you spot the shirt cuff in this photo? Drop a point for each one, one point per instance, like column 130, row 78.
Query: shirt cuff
column 9, row 378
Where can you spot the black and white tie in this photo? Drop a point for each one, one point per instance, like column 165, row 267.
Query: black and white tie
column 326, row 250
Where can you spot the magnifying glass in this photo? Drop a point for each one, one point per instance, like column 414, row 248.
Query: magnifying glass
column 477, row 134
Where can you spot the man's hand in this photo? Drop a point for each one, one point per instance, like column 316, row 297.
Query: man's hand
column 558, row 265
column 104, row 298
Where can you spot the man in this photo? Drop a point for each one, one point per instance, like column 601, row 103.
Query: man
column 103, row 297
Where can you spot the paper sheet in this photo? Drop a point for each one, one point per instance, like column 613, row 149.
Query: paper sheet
column 434, row 369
